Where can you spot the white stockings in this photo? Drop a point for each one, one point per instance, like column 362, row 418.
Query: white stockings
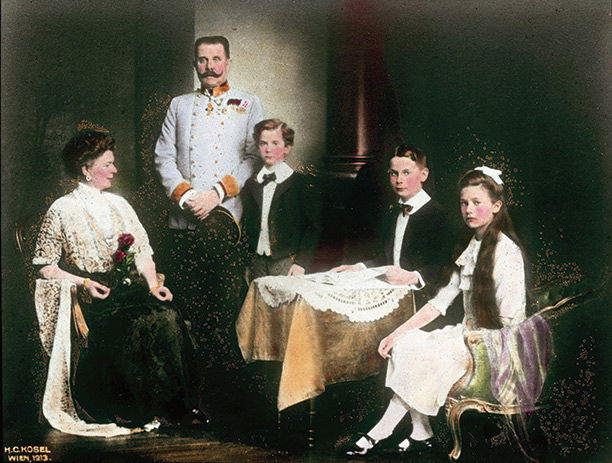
column 397, row 409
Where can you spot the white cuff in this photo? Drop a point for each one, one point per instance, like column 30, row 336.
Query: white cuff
column 220, row 192
column 421, row 284
column 188, row 194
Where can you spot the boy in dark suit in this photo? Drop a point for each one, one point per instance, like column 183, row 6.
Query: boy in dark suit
column 281, row 210
column 416, row 237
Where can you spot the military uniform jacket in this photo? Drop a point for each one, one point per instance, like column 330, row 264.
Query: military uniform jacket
column 203, row 139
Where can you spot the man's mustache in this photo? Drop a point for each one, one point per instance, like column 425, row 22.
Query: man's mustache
column 208, row 74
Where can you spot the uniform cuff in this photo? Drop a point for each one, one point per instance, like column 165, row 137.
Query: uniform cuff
column 188, row 194
column 230, row 186
column 180, row 190
column 220, row 191
column 421, row 284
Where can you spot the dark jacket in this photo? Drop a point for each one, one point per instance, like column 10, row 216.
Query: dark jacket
column 427, row 244
column 294, row 221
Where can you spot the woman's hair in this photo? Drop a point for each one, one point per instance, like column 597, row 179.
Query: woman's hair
column 483, row 287
column 84, row 148
column 272, row 124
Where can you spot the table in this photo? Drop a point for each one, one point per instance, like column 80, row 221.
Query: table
column 317, row 347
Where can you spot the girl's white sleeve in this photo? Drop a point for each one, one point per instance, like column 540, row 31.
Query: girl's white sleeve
column 447, row 294
column 509, row 278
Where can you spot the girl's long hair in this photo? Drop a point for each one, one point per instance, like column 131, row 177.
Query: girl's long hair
column 485, row 307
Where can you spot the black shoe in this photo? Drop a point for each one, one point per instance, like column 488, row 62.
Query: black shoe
column 196, row 417
column 415, row 447
column 352, row 450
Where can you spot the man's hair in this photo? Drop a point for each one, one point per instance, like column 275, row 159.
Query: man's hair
column 412, row 152
column 273, row 124
column 212, row 40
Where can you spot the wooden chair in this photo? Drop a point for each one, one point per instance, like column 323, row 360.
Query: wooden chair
column 473, row 390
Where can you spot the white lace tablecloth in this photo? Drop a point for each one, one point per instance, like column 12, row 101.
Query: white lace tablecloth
column 361, row 296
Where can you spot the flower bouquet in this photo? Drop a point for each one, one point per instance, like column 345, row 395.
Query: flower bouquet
column 124, row 258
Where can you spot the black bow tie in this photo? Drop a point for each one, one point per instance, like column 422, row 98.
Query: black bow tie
column 267, row 178
column 405, row 209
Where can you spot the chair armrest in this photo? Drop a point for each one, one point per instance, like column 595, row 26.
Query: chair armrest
column 473, row 338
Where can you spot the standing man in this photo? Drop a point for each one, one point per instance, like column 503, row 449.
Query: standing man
column 204, row 155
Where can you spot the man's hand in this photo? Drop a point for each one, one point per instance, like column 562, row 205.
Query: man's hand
column 398, row 276
column 202, row 203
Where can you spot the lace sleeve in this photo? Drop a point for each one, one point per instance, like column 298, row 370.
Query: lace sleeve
column 50, row 240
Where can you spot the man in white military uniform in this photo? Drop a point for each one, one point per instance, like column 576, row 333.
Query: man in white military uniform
column 206, row 151
column 204, row 155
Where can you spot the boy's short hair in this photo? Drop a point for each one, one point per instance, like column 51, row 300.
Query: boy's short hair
column 412, row 152
column 273, row 124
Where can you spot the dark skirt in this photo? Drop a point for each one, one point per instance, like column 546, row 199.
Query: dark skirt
column 139, row 363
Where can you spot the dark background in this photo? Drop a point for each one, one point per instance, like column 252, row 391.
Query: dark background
column 521, row 85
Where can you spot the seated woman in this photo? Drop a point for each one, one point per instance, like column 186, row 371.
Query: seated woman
column 137, row 364
column 423, row 366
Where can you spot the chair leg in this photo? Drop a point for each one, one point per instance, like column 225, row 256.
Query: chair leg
column 311, row 423
column 453, row 417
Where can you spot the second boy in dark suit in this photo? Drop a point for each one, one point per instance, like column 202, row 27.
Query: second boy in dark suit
column 416, row 237
column 281, row 210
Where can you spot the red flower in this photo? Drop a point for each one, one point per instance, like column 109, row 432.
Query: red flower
column 119, row 256
column 124, row 258
column 125, row 240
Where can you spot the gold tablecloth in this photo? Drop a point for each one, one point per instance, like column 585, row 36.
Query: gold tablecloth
column 316, row 347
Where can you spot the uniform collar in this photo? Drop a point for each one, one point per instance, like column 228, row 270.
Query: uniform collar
column 215, row 91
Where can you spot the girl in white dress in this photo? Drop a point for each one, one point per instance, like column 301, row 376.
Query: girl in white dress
column 490, row 275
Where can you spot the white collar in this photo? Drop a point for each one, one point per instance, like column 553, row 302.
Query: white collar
column 88, row 191
column 417, row 201
column 282, row 170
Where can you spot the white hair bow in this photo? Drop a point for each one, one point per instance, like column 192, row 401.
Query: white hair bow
column 493, row 173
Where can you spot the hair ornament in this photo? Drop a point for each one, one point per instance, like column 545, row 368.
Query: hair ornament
column 493, row 173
